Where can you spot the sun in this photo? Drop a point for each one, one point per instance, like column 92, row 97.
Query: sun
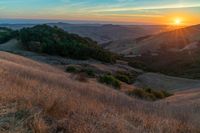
column 177, row 21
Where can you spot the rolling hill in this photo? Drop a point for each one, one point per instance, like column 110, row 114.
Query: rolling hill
column 175, row 40
column 56, row 41
column 107, row 33
column 37, row 97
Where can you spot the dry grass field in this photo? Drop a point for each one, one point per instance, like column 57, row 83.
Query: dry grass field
column 48, row 100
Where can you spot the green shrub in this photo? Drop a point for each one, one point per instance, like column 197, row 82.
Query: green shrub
column 123, row 78
column 142, row 94
column 110, row 80
column 149, row 94
column 89, row 72
column 138, row 64
column 157, row 94
column 72, row 69
column 126, row 77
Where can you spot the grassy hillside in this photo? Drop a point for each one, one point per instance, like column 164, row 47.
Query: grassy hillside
column 40, row 98
column 55, row 41
column 173, row 40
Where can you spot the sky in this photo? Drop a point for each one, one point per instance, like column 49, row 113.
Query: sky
column 127, row 11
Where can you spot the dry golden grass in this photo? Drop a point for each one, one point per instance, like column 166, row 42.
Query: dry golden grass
column 60, row 103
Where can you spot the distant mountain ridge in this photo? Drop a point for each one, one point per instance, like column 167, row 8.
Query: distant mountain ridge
column 102, row 33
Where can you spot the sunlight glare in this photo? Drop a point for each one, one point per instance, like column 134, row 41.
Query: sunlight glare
column 177, row 21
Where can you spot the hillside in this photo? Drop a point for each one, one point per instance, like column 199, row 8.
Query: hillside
column 176, row 40
column 55, row 41
column 174, row 53
column 141, row 78
column 181, row 64
column 42, row 98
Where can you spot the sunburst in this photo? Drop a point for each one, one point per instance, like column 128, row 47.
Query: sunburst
column 178, row 21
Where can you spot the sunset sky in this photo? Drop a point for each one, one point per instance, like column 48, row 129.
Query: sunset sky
column 132, row 11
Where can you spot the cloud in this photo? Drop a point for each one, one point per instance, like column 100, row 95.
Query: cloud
column 178, row 6
column 135, row 15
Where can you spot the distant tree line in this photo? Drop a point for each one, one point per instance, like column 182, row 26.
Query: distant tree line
column 55, row 41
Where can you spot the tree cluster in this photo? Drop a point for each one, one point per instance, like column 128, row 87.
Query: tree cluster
column 55, row 41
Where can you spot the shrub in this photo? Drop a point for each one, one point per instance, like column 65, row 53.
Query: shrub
column 110, row 80
column 149, row 94
column 142, row 94
column 89, row 72
column 86, row 71
column 158, row 94
column 138, row 64
column 72, row 69
column 123, row 78
column 127, row 77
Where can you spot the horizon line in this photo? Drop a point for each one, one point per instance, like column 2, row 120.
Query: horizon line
column 46, row 21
